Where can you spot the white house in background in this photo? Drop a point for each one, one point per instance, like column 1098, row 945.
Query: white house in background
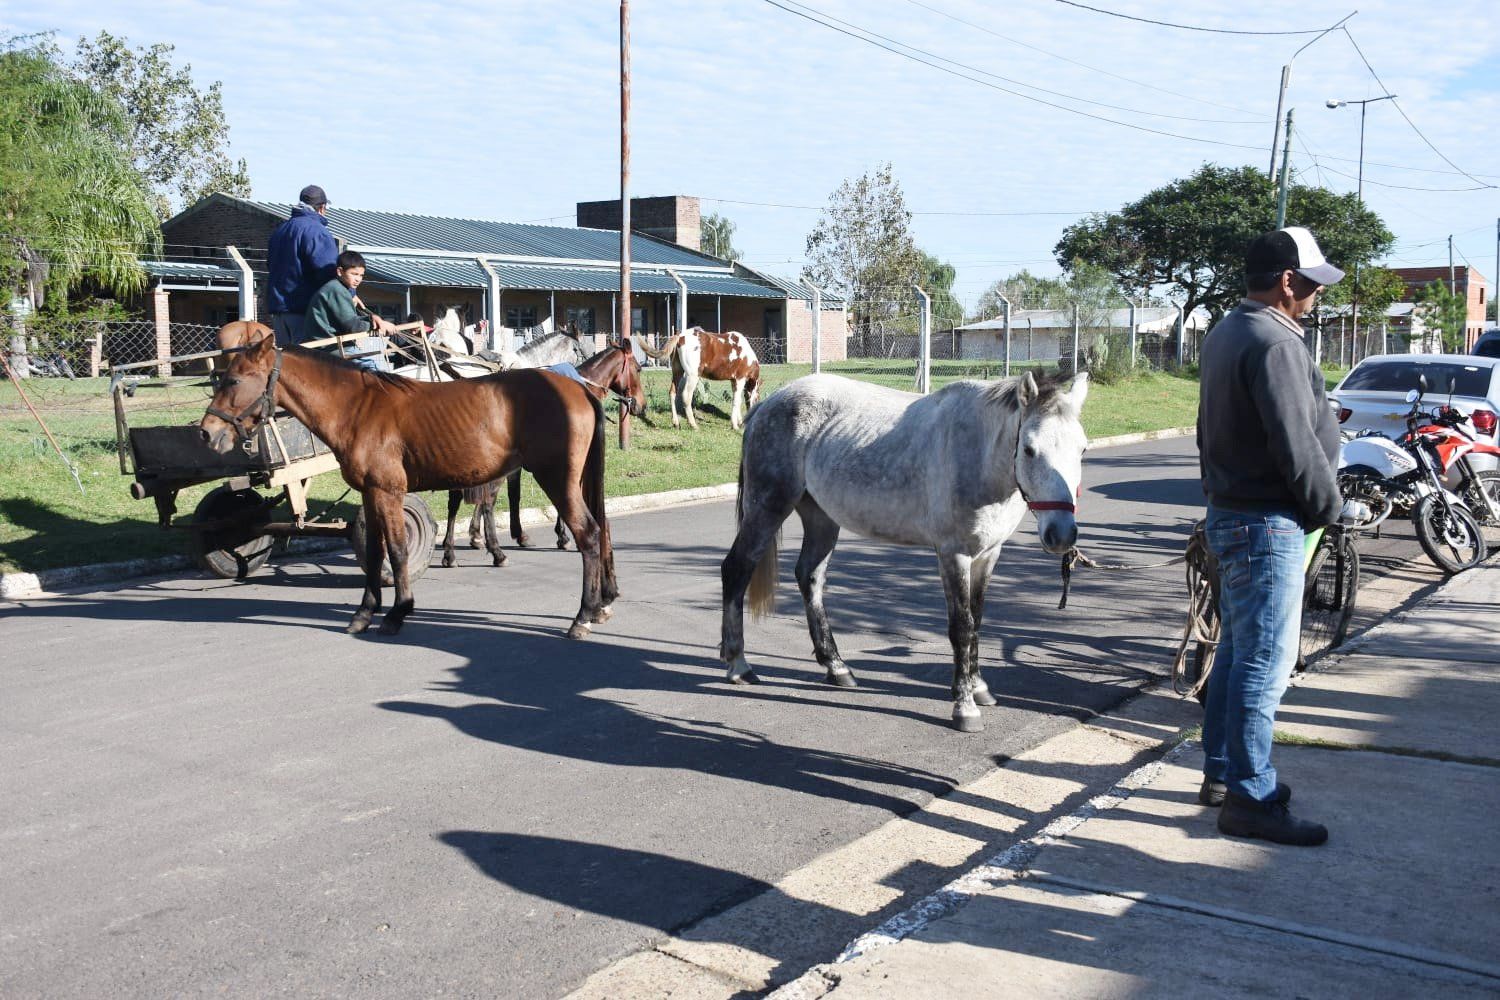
column 1047, row 334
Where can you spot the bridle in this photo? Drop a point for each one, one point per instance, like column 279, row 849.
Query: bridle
column 1070, row 506
column 264, row 406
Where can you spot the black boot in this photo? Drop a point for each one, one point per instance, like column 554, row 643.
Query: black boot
column 1242, row 817
column 1211, row 793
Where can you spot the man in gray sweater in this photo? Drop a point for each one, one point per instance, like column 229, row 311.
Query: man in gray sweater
column 1268, row 449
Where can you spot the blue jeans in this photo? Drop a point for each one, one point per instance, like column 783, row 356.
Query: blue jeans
column 1260, row 605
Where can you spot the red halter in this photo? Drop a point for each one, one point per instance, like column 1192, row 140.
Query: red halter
column 1071, row 508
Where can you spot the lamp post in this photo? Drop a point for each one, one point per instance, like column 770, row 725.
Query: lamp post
column 1360, row 194
column 1286, row 79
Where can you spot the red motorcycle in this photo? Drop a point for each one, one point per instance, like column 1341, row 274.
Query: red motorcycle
column 1451, row 436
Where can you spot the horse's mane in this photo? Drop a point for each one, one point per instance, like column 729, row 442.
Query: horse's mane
column 383, row 379
column 1051, row 389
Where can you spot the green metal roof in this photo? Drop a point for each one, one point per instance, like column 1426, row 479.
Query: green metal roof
column 456, row 272
column 359, row 227
column 184, row 271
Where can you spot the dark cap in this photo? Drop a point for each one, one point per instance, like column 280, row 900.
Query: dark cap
column 1290, row 249
column 313, row 195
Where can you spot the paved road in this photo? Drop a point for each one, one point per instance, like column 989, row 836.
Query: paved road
column 211, row 789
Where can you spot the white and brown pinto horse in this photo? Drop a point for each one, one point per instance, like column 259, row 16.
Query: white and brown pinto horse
column 723, row 357
column 955, row 470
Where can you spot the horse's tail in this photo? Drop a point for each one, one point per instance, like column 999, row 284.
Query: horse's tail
column 763, row 580
column 593, row 496
column 666, row 349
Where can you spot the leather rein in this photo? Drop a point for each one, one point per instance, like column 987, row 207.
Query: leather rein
column 264, row 405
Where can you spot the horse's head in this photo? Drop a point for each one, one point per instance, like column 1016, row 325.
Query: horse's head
column 627, row 380
column 1049, row 455
column 244, row 391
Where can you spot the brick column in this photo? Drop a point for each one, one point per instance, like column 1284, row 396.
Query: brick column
column 159, row 307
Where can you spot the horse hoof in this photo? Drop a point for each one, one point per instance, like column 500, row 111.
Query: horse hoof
column 984, row 698
column 475, row 543
column 967, row 722
column 842, row 678
column 562, row 543
column 449, row 562
column 388, row 627
column 524, row 542
column 580, row 630
column 603, row 615
column 748, row 677
column 500, row 559
column 358, row 625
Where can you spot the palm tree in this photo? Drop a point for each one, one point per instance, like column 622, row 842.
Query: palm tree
column 72, row 207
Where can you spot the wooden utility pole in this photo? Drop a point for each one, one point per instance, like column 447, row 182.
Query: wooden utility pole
column 624, row 317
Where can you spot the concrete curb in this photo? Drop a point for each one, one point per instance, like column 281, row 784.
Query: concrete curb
column 15, row 586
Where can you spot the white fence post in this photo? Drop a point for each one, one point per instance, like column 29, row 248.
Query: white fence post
column 924, row 343
column 817, row 325
column 1005, row 304
column 1075, row 338
column 247, row 284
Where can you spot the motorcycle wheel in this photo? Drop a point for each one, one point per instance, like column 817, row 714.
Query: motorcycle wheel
column 1448, row 534
column 1489, row 482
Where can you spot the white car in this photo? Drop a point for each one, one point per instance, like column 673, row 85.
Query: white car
column 1373, row 395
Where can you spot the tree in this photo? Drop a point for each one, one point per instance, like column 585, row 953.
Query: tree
column 862, row 248
column 1191, row 234
column 1379, row 289
column 1024, row 290
column 177, row 135
column 937, row 281
column 1445, row 311
column 716, row 236
column 72, row 208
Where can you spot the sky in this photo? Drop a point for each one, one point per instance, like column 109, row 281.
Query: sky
column 510, row 111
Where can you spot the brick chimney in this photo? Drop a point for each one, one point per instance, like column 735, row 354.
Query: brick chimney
column 674, row 218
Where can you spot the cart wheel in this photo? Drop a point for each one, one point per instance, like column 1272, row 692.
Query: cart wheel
column 421, row 538
column 235, row 550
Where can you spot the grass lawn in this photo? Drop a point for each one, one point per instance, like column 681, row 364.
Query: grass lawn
column 45, row 522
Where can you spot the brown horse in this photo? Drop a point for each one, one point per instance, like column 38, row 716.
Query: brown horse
column 394, row 435
column 612, row 370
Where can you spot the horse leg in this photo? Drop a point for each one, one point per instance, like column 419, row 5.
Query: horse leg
column 820, row 533
column 393, row 527
column 455, row 499
column 734, row 409
column 979, row 580
column 689, row 390
column 752, row 554
column 491, row 535
column 374, row 555
column 567, row 497
column 561, row 532
column 676, row 390
column 513, row 496
column 956, row 588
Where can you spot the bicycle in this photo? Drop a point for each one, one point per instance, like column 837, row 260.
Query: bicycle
column 1330, row 588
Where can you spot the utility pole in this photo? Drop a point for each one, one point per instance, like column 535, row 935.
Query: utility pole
column 624, row 317
column 1452, row 281
column 1286, row 156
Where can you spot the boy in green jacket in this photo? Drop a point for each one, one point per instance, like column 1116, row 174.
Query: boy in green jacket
column 332, row 309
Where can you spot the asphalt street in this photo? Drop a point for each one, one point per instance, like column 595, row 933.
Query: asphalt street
column 210, row 788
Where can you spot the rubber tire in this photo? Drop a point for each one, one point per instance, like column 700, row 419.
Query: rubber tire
column 234, row 552
column 421, row 539
column 1489, row 481
column 1326, row 612
column 1428, row 520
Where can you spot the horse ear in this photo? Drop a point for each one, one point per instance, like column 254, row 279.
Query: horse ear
column 1079, row 390
column 1026, row 390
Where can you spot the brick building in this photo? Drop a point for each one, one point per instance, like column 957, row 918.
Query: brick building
column 1466, row 282
column 521, row 278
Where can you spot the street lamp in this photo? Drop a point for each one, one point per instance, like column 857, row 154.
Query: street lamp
column 1286, row 79
column 1334, row 103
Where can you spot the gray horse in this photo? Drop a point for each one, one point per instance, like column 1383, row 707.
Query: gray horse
column 955, row 470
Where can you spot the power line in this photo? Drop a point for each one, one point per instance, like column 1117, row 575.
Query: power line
column 819, row 208
column 1018, row 83
column 1402, row 110
column 1404, row 187
column 1075, row 62
column 1007, row 90
column 1186, row 27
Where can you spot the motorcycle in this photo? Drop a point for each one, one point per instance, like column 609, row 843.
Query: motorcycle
column 1407, row 476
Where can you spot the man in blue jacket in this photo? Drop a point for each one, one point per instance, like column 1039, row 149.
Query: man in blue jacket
column 1267, row 448
column 302, row 254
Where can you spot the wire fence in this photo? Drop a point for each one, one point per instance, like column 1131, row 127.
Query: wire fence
column 88, row 348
